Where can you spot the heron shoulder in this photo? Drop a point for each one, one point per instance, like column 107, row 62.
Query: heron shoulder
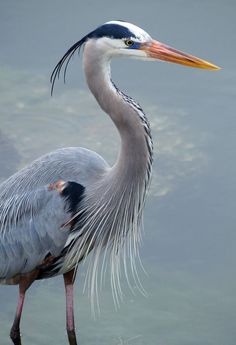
column 68, row 164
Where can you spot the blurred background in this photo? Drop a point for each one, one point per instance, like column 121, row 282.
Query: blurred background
column 189, row 241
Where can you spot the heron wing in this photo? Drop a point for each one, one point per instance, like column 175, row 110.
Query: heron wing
column 31, row 214
column 32, row 228
column 68, row 164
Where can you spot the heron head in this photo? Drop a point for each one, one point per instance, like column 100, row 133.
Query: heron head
column 120, row 38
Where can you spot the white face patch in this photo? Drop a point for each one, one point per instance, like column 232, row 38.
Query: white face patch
column 142, row 35
column 116, row 47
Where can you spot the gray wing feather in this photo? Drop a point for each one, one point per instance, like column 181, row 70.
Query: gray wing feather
column 68, row 164
column 31, row 216
column 32, row 232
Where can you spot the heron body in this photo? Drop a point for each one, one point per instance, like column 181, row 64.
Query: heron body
column 70, row 202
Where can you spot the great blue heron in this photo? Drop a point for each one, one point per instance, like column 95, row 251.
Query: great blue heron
column 70, row 202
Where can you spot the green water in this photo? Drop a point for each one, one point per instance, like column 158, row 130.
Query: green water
column 189, row 241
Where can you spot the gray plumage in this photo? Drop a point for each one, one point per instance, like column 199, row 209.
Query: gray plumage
column 112, row 202
column 32, row 215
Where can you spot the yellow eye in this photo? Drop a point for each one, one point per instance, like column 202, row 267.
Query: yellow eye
column 129, row 43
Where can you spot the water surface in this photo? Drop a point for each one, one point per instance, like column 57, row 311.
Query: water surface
column 189, row 242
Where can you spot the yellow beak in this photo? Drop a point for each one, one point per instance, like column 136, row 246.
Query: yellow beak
column 160, row 51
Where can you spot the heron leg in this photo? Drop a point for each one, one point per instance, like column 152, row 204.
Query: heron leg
column 15, row 330
column 24, row 284
column 69, row 278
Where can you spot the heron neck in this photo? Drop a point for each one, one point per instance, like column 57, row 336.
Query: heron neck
column 135, row 154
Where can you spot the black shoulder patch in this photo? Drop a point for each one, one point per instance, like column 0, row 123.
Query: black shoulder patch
column 73, row 193
column 112, row 31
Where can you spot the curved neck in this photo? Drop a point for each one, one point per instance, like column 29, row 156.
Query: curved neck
column 136, row 146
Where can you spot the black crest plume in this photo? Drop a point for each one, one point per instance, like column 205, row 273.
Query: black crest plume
column 115, row 31
column 65, row 60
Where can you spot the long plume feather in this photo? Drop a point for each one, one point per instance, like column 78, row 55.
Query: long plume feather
column 65, row 60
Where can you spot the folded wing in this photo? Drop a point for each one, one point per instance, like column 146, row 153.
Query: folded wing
column 31, row 226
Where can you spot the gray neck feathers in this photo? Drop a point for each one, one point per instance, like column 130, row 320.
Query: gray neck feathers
column 113, row 208
column 135, row 156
